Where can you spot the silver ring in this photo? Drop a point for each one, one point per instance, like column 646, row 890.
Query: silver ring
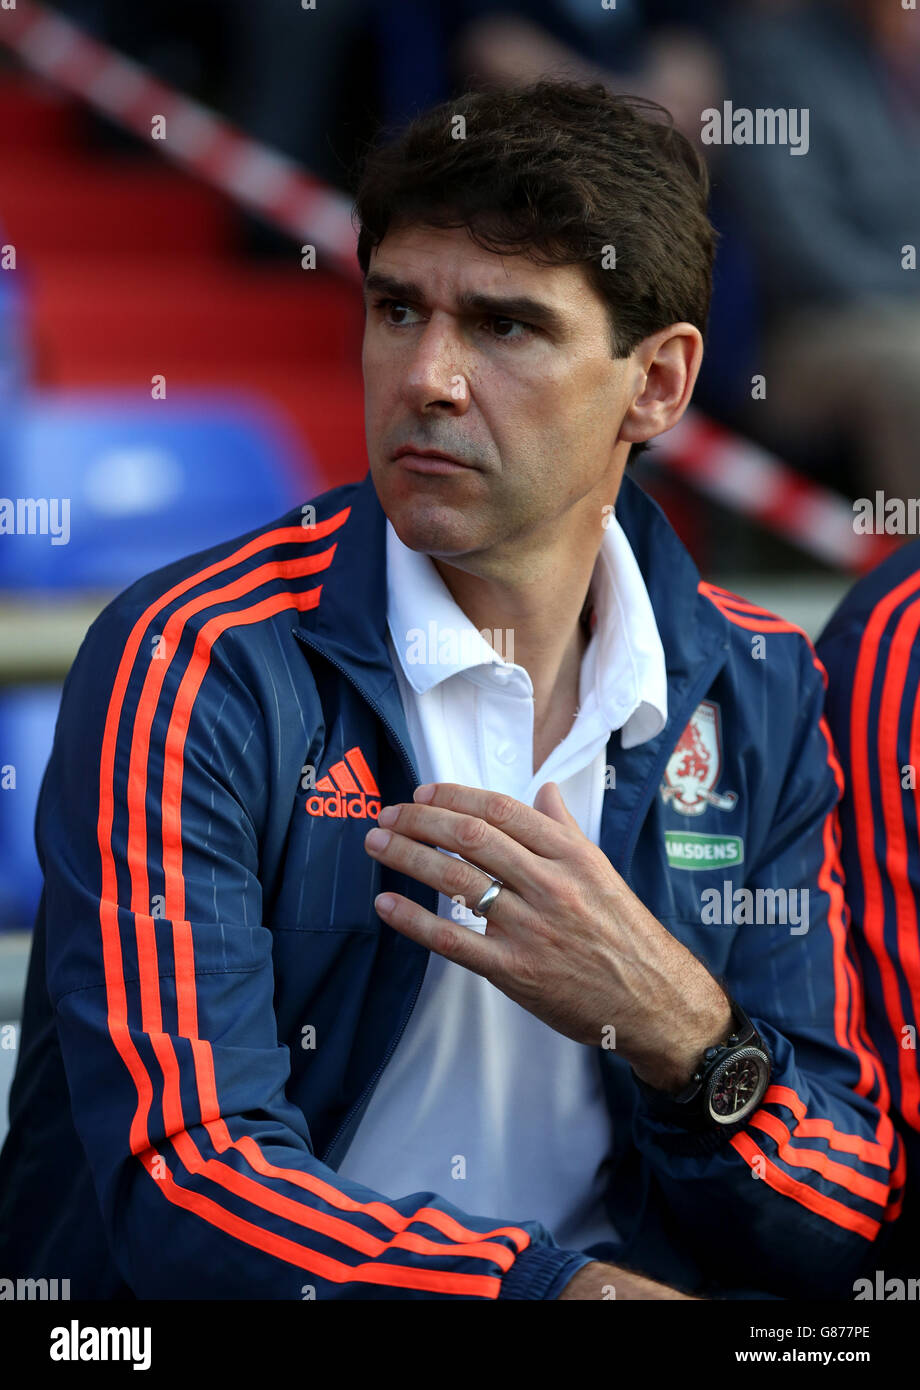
column 488, row 898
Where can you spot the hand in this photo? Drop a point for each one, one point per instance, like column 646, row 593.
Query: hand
column 598, row 1280
column 566, row 938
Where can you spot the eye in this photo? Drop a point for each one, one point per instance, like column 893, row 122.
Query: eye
column 388, row 306
column 505, row 337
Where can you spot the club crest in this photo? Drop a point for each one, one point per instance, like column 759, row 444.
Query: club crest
column 695, row 765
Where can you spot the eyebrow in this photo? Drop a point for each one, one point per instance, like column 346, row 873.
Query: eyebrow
column 515, row 306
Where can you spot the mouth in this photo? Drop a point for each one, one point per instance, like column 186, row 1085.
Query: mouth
column 431, row 461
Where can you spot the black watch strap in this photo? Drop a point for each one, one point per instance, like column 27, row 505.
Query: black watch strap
column 728, row 1084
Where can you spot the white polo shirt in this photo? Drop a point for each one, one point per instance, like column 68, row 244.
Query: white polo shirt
column 481, row 1102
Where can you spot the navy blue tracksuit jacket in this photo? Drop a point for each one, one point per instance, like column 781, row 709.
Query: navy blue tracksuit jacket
column 871, row 650
column 212, row 998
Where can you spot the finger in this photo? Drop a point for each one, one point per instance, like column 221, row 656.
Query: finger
column 529, row 827
column 550, row 801
column 462, row 945
column 452, row 877
column 475, row 840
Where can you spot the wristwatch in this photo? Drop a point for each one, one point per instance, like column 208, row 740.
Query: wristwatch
column 727, row 1086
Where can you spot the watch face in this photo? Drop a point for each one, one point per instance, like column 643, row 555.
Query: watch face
column 737, row 1086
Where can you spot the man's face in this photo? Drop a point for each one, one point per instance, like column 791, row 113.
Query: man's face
column 527, row 395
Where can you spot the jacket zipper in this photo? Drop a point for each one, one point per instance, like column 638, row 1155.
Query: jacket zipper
column 413, row 777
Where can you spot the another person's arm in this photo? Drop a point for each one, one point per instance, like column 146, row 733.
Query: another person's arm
column 873, row 708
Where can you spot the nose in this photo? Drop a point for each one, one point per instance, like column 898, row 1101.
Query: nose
column 436, row 371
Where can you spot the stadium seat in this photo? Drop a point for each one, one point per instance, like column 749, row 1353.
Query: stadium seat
column 144, row 482
column 123, row 484
column 27, row 719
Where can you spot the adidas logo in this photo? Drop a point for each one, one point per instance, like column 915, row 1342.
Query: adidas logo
column 347, row 790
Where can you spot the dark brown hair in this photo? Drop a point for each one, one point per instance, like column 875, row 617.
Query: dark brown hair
column 558, row 170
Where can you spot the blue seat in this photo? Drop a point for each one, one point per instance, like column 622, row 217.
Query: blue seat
column 123, row 484
column 147, row 482
column 27, row 719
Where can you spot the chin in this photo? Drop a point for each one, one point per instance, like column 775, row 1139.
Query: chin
column 425, row 522
column 432, row 530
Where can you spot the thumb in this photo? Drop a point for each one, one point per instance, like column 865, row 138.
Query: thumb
column 549, row 802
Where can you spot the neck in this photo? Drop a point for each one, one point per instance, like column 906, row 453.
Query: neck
column 541, row 617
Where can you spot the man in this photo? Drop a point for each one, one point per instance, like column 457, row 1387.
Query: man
column 254, row 1022
column 872, row 656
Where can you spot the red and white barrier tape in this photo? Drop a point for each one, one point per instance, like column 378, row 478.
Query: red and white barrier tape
column 748, row 479
column 738, row 474
column 196, row 138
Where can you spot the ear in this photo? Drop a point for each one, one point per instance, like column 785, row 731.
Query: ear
column 667, row 365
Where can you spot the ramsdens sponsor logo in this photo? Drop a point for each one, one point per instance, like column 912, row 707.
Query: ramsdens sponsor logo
column 76, row 1343
column 347, row 791
column 687, row 850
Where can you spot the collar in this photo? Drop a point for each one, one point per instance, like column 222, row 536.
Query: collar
column 349, row 625
column 623, row 672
